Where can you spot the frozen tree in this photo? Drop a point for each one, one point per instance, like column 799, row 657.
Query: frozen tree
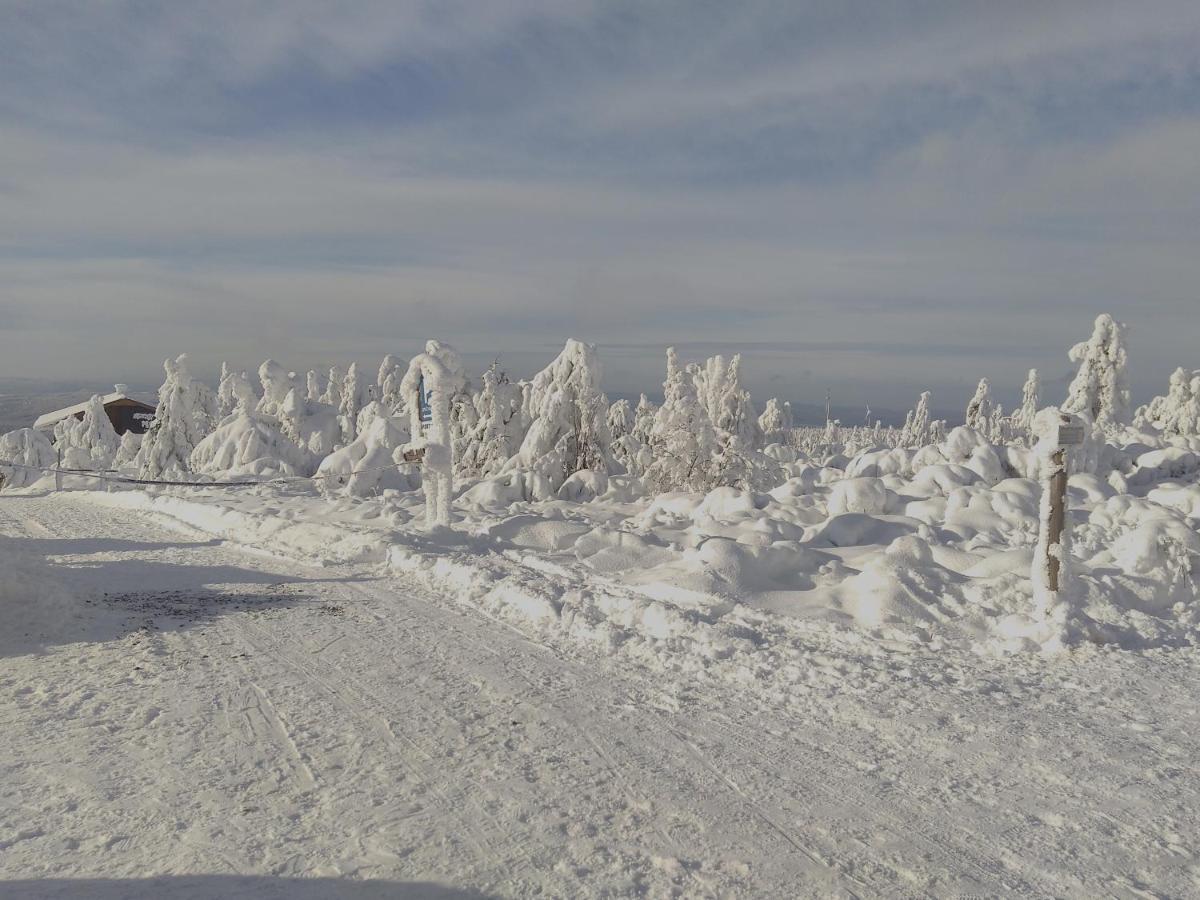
column 1178, row 412
column 391, row 374
column 355, row 396
column 311, row 425
column 1101, row 387
column 620, row 419
column 1023, row 418
column 185, row 415
column 726, row 402
column 89, row 442
column 233, row 390
column 643, row 419
column 775, row 423
column 334, row 387
column 127, row 452
column 499, row 428
column 29, row 451
column 682, row 442
column 312, row 383
column 628, row 448
column 277, row 383
column 917, row 431
column 568, row 431
column 979, row 410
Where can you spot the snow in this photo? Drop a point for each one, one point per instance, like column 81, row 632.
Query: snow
column 244, row 725
column 852, row 603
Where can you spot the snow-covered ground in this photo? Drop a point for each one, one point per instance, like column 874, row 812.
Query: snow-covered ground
column 190, row 709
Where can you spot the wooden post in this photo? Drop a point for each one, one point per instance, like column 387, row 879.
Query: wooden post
column 58, row 472
column 1058, row 515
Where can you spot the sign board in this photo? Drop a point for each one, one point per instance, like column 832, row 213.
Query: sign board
column 424, row 410
column 1070, row 435
column 414, row 456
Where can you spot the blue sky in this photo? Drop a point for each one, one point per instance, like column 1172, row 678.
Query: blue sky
column 877, row 198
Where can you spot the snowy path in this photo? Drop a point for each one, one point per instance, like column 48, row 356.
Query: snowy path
column 221, row 714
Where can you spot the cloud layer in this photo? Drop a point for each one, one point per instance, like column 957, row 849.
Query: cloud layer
column 877, row 198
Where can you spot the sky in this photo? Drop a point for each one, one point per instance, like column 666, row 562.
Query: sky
column 869, row 198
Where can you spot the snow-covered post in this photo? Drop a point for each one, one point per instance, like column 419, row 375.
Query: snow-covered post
column 1051, row 571
column 434, row 376
column 58, row 470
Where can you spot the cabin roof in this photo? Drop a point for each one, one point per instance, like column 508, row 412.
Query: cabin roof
column 50, row 419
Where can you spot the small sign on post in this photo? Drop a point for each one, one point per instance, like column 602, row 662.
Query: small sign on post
column 1070, row 435
column 424, row 409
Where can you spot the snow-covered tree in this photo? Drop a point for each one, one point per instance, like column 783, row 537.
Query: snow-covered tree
column 354, row 396
column 277, row 383
column 391, row 374
column 499, row 428
column 186, row 414
column 917, row 427
column 89, row 442
column 1022, row 419
column 312, row 383
column 726, row 402
column 334, row 387
column 643, row 419
column 775, row 423
column 979, row 410
column 233, row 391
column 1101, row 386
column 311, row 425
column 683, row 441
column 568, row 431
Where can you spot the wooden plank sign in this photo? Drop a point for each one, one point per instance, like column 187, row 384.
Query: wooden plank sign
column 1070, row 435
column 414, row 456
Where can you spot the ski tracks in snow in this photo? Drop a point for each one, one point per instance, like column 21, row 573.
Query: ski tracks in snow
column 233, row 713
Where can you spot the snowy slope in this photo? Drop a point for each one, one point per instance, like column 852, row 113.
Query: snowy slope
column 212, row 723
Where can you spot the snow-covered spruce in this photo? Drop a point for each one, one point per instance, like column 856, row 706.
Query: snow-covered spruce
column 89, row 442
column 31, row 451
column 185, row 415
column 1100, row 389
column 567, row 412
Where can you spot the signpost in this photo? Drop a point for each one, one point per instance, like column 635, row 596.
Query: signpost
column 1067, row 435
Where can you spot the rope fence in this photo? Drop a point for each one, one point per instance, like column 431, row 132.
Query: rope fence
column 112, row 476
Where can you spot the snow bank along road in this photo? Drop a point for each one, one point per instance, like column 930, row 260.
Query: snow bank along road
column 215, row 723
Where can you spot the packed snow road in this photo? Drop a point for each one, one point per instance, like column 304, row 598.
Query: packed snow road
column 216, row 723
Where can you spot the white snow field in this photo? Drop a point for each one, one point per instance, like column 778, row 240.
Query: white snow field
column 187, row 709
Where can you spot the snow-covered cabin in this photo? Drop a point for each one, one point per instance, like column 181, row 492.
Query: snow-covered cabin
column 125, row 413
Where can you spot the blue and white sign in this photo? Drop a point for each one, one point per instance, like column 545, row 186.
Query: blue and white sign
column 424, row 411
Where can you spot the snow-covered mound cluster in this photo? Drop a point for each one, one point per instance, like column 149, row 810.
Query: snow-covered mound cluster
column 927, row 532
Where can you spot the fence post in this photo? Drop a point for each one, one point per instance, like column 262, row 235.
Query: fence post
column 58, row 484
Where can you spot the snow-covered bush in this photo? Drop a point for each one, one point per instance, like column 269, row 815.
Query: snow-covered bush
column 25, row 447
column 248, row 444
column 185, row 415
column 1178, row 412
column 311, row 425
column 370, row 463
